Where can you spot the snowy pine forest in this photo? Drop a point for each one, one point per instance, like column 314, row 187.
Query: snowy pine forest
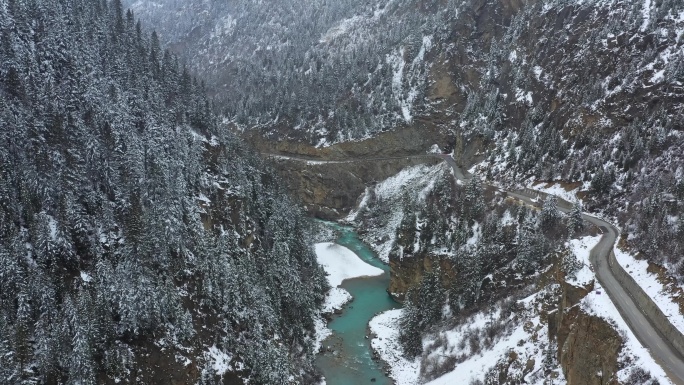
column 333, row 70
column 487, row 248
column 585, row 92
column 137, row 237
column 142, row 240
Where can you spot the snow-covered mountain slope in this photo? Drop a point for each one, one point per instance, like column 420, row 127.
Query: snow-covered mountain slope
column 586, row 95
column 323, row 71
column 496, row 296
column 140, row 242
column 602, row 109
column 588, row 92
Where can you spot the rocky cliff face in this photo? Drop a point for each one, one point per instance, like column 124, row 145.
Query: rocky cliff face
column 408, row 272
column 588, row 349
column 331, row 190
column 588, row 346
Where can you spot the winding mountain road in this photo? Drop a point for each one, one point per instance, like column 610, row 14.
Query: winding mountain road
column 638, row 320
column 643, row 323
column 356, row 160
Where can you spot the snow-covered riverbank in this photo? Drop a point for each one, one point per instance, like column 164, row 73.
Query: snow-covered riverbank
column 355, row 273
column 339, row 263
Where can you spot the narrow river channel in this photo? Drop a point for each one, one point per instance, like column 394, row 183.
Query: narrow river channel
column 351, row 361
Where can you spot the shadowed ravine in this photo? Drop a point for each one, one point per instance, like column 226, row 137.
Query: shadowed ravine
column 351, row 360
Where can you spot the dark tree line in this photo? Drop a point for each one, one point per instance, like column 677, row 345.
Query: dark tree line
column 129, row 220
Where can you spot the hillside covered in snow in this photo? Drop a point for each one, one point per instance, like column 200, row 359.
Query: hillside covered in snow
column 142, row 241
column 139, row 241
column 587, row 92
column 322, row 71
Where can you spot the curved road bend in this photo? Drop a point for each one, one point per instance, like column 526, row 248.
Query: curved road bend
column 668, row 357
column 637, row 320
column 661, row 350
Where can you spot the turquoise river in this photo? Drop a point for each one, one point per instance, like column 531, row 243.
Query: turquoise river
column 351, row 361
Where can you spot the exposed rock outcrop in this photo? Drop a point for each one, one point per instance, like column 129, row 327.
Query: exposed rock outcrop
column 589, row 348
column 408, row 272
column 330, row 190
column 413, row 139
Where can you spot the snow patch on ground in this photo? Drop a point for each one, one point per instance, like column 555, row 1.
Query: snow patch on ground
column 557, row 190
column 322, row 332
column 337, row 297
column 218, row 360
column 385, row 328
column 658, row 76
column 537, row 72
column 435, row 149
column 638, row 269
column 203, row 198
column 341, row 29
column 224, row 26
column 407, row 80
column 477, row 233
column 646, row 14
column 522, row 96
column 341, row 263
column 581, row 248
column 86, row 277
column 355, row 23
column 52, row 224
column 507, row 219
column 362, row 205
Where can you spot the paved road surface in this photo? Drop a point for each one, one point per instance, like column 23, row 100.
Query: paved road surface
column 355, row 160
